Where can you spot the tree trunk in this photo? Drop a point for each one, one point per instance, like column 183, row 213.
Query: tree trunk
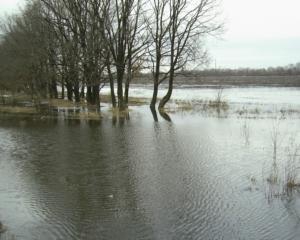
column 82, row 91
column 89, row 94
column 54, row 89
column 63, row 90
column 154, row 114
column 112, row 87
column 69, row 91
column 49, row 88
column 167, row 97
column 154, row 96
column 127, row 90
column 120, row 75
column 128, row 80
column 156, row 79
column 96, row 97
column 164, row 115
column 76, row 93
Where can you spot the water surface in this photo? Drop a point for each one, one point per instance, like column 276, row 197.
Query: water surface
column 201, row 176
column 194, row 178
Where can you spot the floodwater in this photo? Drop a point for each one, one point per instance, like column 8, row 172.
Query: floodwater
column 196, row 177
column 235, row 95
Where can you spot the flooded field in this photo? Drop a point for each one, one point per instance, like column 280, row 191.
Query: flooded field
column 263, row 101
column 197, row 177
column 236, row 95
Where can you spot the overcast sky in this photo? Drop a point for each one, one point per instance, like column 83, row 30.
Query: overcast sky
column 7, row 6
column 260, row 33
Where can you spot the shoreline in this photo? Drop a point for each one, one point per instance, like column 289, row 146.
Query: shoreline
column 211, row 108
column 213, row 102
column 233, row 81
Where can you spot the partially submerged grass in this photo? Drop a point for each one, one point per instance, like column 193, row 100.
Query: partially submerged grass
column 5, row 234
column 219, row 102
column 218, row 105
column 116, row 112
column 181, row 105
column 249, row 112
column 292, row 165
column 64, row 103
column 245, row 131
column 284, row 175
column 132, row 101
column 84, row 115
column 292, row 184
column 18, row 110
column 13, row 99
column 103, row 99
column 138, row 101
column 289, row 111
column 46, row 110
column 118, row 116
column 274, row 179
column 186, row 106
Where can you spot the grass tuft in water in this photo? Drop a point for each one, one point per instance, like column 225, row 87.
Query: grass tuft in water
column 292, row 165
column 284, row 175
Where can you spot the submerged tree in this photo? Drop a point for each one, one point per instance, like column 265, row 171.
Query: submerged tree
column 178, row 29
column 80, row 45
column 189, row 25
column 123, row 29
column 158, row 25
column 79, row 30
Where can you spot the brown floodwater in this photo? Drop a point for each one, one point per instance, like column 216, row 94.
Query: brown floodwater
column 197, row 177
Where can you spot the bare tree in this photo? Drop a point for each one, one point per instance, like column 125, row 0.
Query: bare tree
column 158, row 24
column 190, row 22
column 137, row 43
column 86, row 43
column 27, row 52
column 122, row 22
column 79, row 27
column 59, row 14
column 177, row 29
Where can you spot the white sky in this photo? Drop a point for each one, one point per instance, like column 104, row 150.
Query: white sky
column 260, row 33
column 8, row 6
column 262, row 18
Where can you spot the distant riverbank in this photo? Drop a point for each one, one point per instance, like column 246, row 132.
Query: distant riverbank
column 240, row 80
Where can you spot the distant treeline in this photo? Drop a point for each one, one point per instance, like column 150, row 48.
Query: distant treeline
column 279, row 76
column 290, row 70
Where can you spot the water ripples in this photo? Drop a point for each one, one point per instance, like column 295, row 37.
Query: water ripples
column 139, row 181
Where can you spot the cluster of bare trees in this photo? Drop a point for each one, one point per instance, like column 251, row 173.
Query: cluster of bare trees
column 77, row 46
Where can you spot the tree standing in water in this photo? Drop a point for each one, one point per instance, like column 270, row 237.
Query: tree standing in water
column 82, row 44
column 177, row 28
